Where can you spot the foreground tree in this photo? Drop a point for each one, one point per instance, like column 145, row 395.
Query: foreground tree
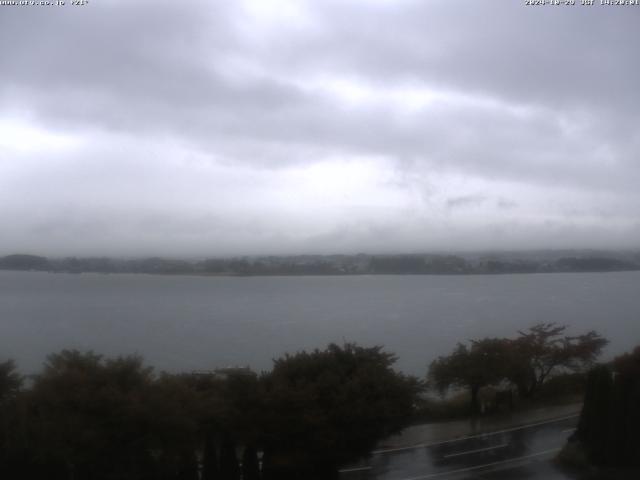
column 474, row 367
column 526, row 362
column 92, row 418
column 10, row 380
column 11, row 441
column 329, row 406
column 86, row 417
column 545, row 349
column 608, row 429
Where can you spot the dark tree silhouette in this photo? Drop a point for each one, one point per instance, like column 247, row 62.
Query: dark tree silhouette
column 210, row 470
column 229, row 468
column 83, row 415
column 610, row 419
column 481, row 364
column 329, row 406
column 544, row 349
column 10, row 380
column 250, row 465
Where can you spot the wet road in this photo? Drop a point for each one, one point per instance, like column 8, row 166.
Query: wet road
column 513, row 453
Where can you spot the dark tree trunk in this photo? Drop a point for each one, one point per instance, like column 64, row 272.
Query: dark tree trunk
column 210, row 470
column 526, row 383
column 594, row 424
column 229, row 468
column 475, row 404
column 250, row 468
column 188, row 469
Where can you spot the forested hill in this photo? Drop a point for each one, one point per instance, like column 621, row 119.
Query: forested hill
column 361, row 264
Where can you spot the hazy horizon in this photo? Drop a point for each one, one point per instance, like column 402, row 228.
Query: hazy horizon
column 521, row 254
column 297, row 127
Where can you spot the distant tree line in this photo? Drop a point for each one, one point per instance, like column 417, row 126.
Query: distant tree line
column 323, row 265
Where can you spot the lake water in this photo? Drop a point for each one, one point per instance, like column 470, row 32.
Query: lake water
column 185, row 323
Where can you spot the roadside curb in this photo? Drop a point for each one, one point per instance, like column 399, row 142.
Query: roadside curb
column 430, row 434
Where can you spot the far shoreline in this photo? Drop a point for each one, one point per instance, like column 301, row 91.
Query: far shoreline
column 310, row 275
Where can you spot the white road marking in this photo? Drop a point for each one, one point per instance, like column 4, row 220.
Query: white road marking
column 486, row 465
column 478, row 450
column 460, row 439
column 356, row 469
column 568, row 430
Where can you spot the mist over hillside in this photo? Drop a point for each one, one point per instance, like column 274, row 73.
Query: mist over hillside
column 360, row 264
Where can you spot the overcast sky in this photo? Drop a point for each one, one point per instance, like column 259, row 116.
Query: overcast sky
column 249, row 127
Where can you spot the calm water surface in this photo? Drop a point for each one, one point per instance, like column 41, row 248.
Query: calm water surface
column 184, row 323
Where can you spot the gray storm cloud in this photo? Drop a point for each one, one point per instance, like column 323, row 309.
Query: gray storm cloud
column 215, row 128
